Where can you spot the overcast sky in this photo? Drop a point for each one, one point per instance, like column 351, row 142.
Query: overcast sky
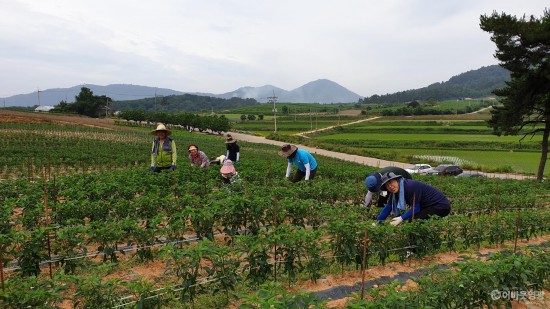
column 369, row 47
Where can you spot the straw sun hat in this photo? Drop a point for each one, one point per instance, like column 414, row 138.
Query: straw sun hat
column 161, row 127
column 287, row 150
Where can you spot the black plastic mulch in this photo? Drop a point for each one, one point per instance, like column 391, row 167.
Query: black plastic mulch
column 341, row 291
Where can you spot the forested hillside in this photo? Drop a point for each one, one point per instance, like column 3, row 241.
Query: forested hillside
column 186, row 102
column 472, row 84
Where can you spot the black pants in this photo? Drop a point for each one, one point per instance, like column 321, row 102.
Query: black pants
column 158, row 169
column 300, row 175
column 431, row 211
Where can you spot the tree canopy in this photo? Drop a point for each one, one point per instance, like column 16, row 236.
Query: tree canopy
column 86, row 103
column 180, row 103
column 523, row 48
column 474, row 84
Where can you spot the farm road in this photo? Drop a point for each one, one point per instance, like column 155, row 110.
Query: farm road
column 339, row 155
column 328, row 153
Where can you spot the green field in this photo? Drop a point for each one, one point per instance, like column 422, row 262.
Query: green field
column 290, row 125
column 466, row 142
column 421, row 137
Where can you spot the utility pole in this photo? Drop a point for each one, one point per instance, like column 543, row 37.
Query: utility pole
column 38, row 93
column 107, row 107
column 273, row 100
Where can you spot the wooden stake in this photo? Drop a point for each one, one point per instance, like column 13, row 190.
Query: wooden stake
column 276, row 210
column 2, row 269
column 517, row 232
column 497, row 207
column 47, row 223
column 364, row 264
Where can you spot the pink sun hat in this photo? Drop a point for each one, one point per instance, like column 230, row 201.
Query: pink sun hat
column 227, row 167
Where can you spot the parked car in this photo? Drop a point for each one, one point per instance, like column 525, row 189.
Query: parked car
column 470, row 174
column 419, row 168
column 445, row 170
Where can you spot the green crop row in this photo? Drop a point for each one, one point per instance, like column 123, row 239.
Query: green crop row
column 285, row 251
column 474, row 284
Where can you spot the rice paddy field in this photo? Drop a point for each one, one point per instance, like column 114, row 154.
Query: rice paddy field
column 469, row 141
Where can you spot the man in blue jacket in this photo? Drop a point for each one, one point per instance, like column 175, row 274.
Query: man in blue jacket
column 424, row 200
column 305, row 163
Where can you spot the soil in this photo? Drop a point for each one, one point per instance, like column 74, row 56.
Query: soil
column 7, row 116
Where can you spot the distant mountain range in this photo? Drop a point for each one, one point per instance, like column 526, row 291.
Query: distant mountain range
column 475, row 83
column 319, row 91
column 115, row 91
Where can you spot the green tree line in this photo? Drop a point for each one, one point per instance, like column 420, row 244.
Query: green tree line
column 189, row 121
column 186, row 102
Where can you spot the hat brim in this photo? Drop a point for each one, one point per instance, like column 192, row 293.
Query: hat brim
column 230, row 142
column 383, row 184
column 288, row 152
column 168, row 132
column 227, row 169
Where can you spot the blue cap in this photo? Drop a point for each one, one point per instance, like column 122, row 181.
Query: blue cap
column 373, row 182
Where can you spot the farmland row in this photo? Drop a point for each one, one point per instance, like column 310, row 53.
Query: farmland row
column 154, row 210
column 70, row 238
column 284, row 251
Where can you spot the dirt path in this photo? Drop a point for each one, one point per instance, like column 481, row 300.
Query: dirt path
column 304, row 134
column 328, row 153
column 479, row 110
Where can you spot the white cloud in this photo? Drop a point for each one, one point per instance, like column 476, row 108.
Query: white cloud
column 219, row 45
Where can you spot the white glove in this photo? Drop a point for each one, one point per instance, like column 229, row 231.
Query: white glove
column 374, row 224
column 396, row 221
